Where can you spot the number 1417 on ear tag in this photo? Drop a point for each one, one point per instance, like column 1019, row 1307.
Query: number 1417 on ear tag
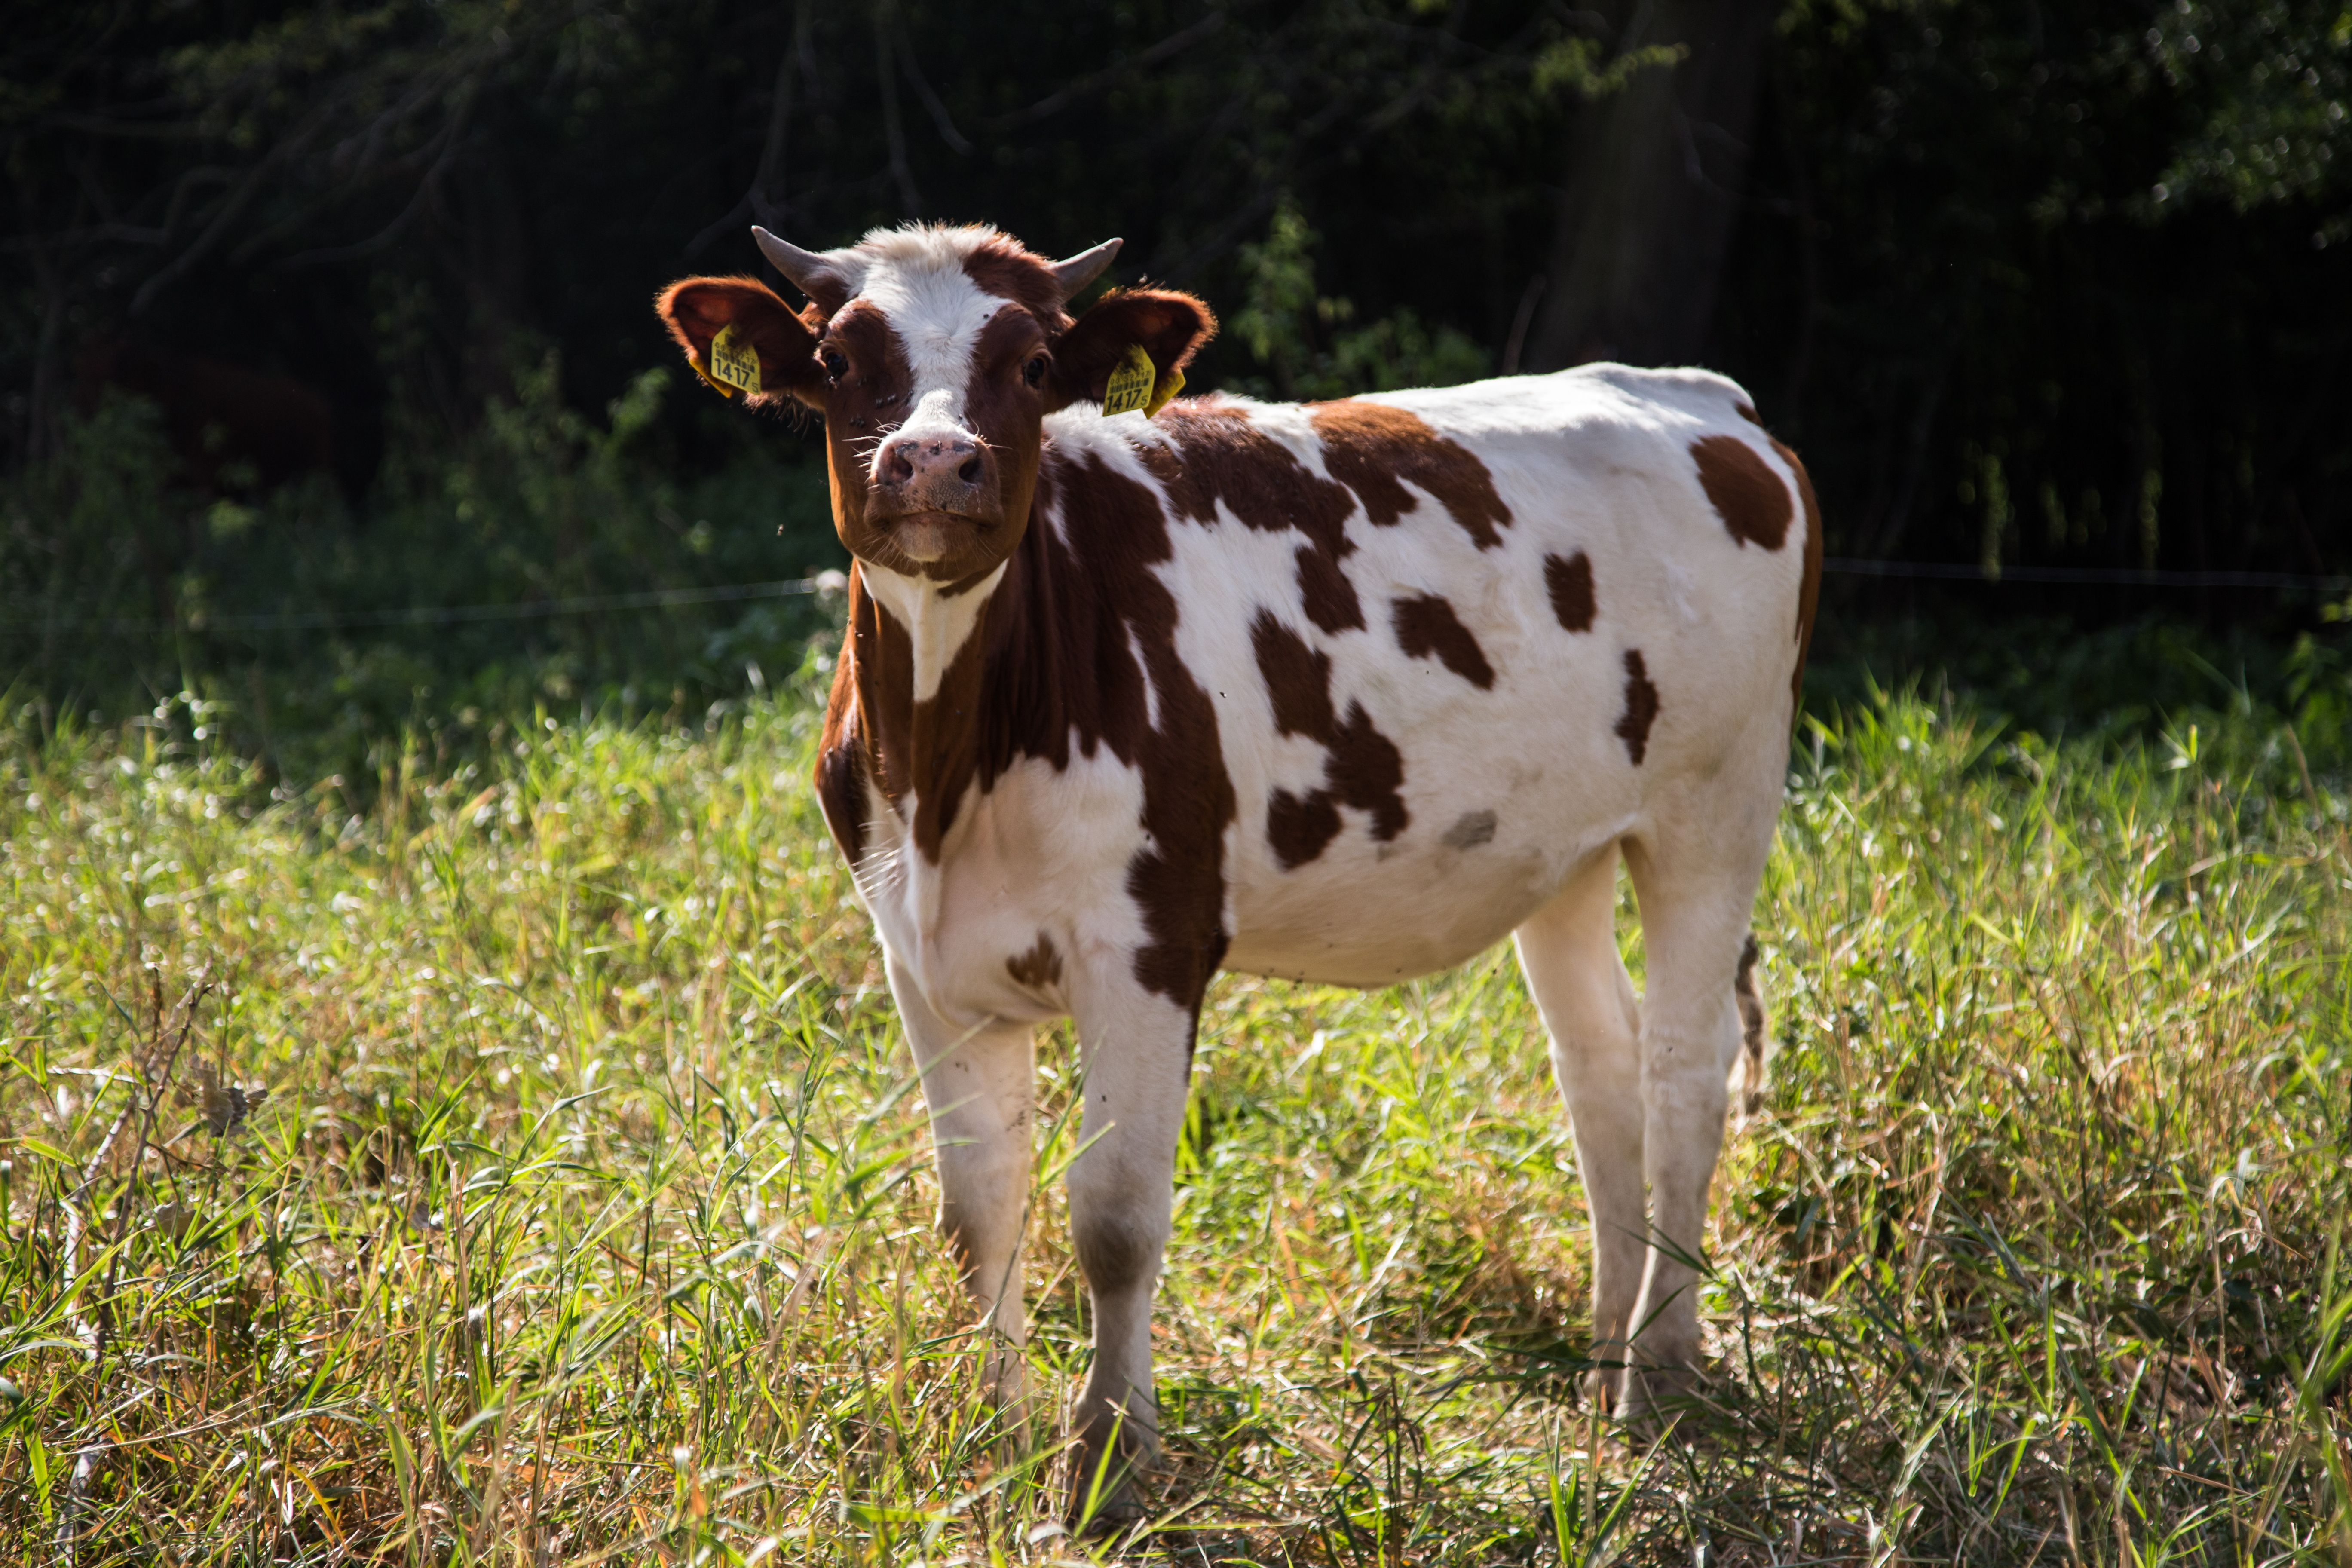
column 733, row 360
column 1130, row 385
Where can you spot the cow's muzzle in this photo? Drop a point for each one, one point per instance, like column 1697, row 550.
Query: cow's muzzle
column 928, row 482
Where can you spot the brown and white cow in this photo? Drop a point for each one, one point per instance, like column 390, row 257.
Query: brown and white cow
column 1343, row 692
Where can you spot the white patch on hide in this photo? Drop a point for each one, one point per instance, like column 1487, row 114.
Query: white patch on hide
column 936, row 624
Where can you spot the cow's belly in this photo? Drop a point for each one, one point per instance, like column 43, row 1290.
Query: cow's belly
column 1318, row 931
column 1488, row 837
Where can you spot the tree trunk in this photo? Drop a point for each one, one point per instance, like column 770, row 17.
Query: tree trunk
column 1655, row 179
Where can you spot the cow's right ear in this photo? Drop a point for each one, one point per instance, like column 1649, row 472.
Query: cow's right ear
column 698, row 309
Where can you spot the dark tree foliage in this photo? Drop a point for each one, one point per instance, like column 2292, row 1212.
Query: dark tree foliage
column 2062, row 283
column 2059, row 283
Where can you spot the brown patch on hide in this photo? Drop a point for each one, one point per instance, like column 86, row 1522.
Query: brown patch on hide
column 1426, row 625
column 1039, row 967
column 1009, row 271
column 1367, row 772
column 1641, row 706
column 1297, row 679
column 946, row 742
column 1361, row 769
column 1325, row 593
column 930, row 749
column 1569, row 583
column 1300, row 827
column 1752, row 499
column 840, row 767
column 1064, row 631
column 1809, row 591
column 883, row 658
column 964, row 584
column 1219, row 456
column 1372, row 449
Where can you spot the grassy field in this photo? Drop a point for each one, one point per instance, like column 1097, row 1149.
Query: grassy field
column 587, row 1215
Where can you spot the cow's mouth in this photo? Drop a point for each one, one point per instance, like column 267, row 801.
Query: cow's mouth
column 928, row 536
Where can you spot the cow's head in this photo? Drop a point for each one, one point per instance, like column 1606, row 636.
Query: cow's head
column 934, row 354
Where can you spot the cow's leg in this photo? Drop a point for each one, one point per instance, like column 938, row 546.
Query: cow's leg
column 1697, row 895
column 1137, row 1048
column 978, row 1081
column 1567, row 950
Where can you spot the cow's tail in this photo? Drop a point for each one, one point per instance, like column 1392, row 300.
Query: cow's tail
column 1755, row 1040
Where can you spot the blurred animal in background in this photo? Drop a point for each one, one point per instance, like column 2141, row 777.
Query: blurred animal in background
column 236, row 431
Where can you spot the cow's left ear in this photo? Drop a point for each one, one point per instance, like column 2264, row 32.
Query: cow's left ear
column 1167, row 326
column 697, row 310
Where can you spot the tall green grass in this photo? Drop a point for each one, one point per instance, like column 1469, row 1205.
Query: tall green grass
column 587, row 1216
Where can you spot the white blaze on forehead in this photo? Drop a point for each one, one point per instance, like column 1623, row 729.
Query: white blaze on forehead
column 914, row 277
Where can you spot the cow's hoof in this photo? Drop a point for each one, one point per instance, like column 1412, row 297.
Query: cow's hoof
column 1604, row 1386
column 1606, row 1380
column 1654, row 1397
column 1598, row 1387
column 1118, row 1511
column 1114, row 1465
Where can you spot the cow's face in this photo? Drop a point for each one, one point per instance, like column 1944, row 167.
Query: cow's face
column 934, row 355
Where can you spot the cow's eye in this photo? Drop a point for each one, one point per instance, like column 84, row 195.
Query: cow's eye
column 835, row 367
column 1035, row 370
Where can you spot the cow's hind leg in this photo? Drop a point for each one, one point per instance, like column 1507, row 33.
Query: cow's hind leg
column 1137, row 1048
column 978, row 1083
column 1697, row 893
column 1567, row 950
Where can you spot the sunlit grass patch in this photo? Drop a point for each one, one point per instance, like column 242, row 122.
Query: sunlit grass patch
column 588, row 1209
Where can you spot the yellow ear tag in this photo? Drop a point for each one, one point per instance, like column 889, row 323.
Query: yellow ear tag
column 1162, row 394
column 720, row 387
column 733, row 361
column 1130, row 385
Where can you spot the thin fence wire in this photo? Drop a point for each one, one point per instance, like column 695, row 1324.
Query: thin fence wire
column 1957, row 572
column 663, row 598
column 446, row 615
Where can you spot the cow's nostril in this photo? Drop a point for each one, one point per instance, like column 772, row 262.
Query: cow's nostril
column 896, row 467
column 970, row 472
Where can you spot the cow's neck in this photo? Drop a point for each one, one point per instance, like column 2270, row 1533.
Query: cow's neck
column 920, row 655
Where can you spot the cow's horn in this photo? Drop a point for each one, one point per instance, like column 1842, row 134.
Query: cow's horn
column 809, row 270
column 1085, row 266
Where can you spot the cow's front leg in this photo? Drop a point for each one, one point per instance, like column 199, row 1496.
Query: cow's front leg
column 1137, row 1048
column 978, row 1081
